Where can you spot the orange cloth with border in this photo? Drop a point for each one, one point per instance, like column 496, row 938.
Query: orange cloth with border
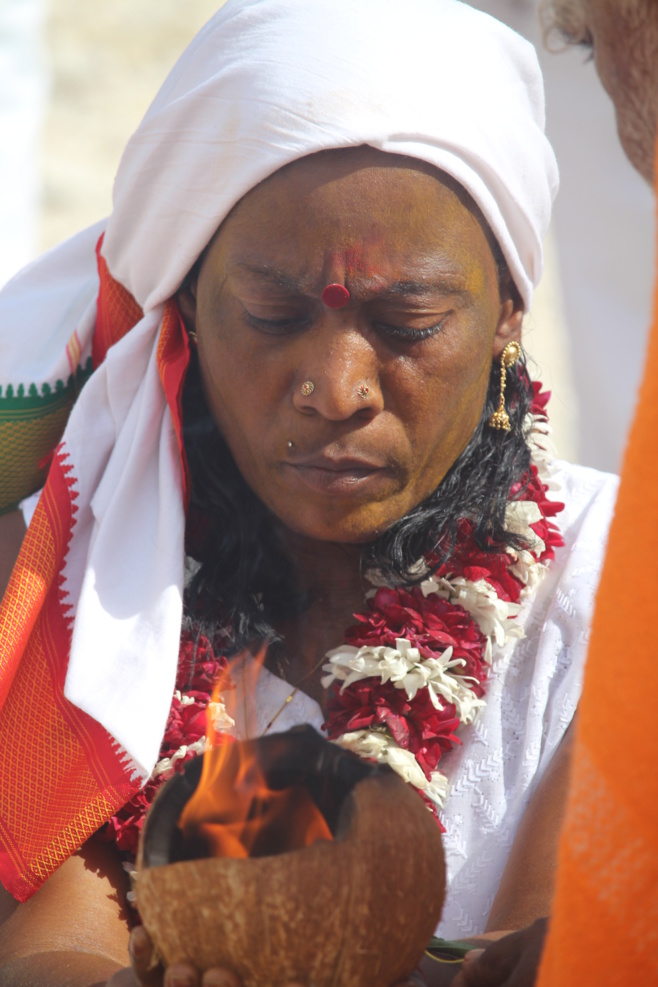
column 62, row 775
column 604, row 928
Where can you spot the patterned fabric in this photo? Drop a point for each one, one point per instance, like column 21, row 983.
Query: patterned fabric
column 83, row 774
column 116, row 311
column 32, row 421
column 33, row 417
column 532, row 695
column 605, row 916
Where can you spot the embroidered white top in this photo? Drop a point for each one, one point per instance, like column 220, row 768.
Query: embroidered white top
column 531, row 697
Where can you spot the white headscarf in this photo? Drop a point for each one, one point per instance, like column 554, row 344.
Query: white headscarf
column 265, row 82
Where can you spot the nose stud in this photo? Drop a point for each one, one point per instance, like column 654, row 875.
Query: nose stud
column 307, row 388
column 335, row 296
column 363, row 391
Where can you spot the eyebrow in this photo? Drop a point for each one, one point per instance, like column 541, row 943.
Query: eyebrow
column 272, row 276
column 448, row 284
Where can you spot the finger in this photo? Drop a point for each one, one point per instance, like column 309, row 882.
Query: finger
column 144, row 959
column 484, row 970
column 123, row 978
column 415, row 979
column 221, row 978
column 471, row 955
column 461, row 980
column 181, row 975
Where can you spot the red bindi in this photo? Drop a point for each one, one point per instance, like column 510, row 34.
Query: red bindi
column 335, row 296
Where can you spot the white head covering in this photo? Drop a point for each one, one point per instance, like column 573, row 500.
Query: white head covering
column 270, row 81
column 265, row 83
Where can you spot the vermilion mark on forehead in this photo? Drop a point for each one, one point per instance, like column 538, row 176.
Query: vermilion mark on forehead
column 335, row 296
column 352, row 261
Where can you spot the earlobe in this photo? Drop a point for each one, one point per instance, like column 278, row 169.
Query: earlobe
column 186, row 301
column 510, row 325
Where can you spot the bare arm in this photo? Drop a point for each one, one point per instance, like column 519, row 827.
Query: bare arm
column 526, row 889
column 74, row 931
column 12, row 530
column 517, row 923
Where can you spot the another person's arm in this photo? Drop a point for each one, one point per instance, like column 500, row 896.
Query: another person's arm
column 510, row 949
column 525, row 895
column 526, row 889
column 74, row 931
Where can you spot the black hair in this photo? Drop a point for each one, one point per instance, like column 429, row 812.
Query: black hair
column 245, row 580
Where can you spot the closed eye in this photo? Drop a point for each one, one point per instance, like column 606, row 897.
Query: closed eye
column 278, row 327
column 406, row 334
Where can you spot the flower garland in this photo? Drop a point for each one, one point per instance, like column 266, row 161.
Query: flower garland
column 413, row 668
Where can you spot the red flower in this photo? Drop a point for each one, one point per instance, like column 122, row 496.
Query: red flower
column 185, row 725
column 430, row 623
column 124, row 827
column 413, row 723
column 539, row 400
column 198, row 667
column 471, row 562
column 532, row 488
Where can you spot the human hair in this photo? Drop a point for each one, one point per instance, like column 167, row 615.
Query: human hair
column 245, row 580
column 563, row 23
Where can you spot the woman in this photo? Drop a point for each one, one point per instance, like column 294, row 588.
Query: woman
column 341, row 248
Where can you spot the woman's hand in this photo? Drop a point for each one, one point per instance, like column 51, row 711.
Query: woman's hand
column 145, row 971
column 512, row 961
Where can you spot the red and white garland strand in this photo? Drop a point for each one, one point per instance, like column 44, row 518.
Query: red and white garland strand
column 414, row 666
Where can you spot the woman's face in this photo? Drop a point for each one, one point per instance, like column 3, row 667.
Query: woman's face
column 400, row 373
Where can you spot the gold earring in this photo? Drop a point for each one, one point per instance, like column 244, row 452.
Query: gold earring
column 191, row 335
column 509, row 356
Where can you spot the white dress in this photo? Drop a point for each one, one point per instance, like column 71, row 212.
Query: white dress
column 531, row 696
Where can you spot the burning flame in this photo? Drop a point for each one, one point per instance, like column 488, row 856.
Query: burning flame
column 234, row 812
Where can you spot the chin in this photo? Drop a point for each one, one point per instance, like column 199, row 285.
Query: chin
column 339, row 531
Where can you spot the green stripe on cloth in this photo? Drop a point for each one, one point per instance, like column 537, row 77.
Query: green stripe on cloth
column 31, row 424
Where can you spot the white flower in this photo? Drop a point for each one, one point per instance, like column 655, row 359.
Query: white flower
column 183, row 699
column 166, row 764
column 406, row 669
column 494, row 617
column 403, row 664
column 221, row 721
column 379, row 746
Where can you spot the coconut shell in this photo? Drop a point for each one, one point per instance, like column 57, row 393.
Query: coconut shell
column 355, row 912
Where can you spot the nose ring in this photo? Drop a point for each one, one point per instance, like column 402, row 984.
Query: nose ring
column 307, row 388
column 363, row 390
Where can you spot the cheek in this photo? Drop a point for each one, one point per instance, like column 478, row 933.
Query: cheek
column 240, row 388
column 443, row 405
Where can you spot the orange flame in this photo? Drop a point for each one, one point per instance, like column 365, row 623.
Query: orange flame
column 233, row 811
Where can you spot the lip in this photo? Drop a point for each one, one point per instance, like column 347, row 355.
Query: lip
column 346, row 475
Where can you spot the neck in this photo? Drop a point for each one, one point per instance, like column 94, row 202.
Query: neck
column 331, row 574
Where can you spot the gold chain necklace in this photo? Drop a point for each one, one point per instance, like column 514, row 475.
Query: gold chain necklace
column 293, row 694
